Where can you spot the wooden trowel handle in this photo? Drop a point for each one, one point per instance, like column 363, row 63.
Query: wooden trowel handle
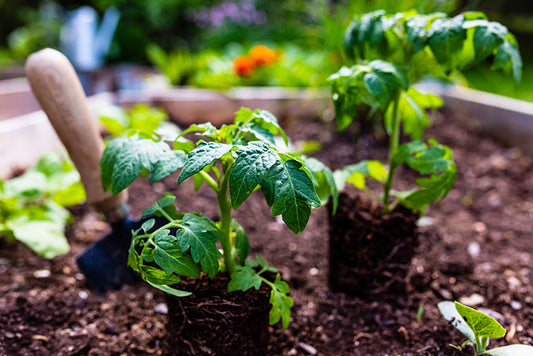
column 60, row 94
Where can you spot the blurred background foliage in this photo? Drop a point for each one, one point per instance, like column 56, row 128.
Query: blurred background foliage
column 205, row 36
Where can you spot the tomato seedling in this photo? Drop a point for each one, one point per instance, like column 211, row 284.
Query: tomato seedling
column 234, row 161
column 392, row 52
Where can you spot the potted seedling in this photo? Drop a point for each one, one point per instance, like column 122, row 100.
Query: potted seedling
column 371, row 245
column 479, row 328
column 190, row 255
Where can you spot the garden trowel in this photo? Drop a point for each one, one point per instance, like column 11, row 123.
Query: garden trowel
column 59, row 92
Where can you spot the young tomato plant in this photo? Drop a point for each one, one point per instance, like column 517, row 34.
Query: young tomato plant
column 392, row 52
column 233, row 161
column 478, row 329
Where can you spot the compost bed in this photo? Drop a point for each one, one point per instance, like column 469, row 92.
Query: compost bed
column 478, row 245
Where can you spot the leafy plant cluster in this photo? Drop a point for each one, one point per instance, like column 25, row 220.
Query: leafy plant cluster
column 140, row 119
column 393, row 52
column 32, row 205
column 479, row 328
column 234, row 161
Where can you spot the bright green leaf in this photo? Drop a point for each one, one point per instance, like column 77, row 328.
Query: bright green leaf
column 281, row 303
column 244, row 278
column 171, row 259
column 202, row 156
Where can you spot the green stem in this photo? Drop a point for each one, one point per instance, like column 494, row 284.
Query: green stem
column 210, row 181
column 393, row 145
column 224, row 205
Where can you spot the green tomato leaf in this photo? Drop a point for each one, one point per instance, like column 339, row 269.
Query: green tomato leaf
column 202, row 156
column 125, row 158
column 432, row 159
column 384, row 82
column 511, row 350
column 356, row 174
column 446, row 39
column 157, row 276
column 244, row 278
column 171, row 259
column 169, row 290
column 371, row 28
column 250, row 169
column 324, row 182
column 293, row 194
column 487, row 39
column 508, row 58
column 168, row 163
column 165, row 201
column 199, row 234
column 281, row 303
column 266, row 121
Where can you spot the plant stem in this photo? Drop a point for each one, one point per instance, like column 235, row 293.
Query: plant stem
column 224, row 205
column 393, row 145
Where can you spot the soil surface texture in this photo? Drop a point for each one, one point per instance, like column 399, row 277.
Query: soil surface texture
column 475, row 246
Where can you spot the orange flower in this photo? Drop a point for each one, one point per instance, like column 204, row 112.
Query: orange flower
column 262, row 55
column 243, row 65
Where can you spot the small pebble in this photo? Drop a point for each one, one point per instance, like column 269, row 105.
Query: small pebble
column 474, row 249
column 313, row 271
column 472, row 300
column 516, row 305
column 425, row 221
column 307, row 348
column 9, row 334
column 42, row 273
column 83, row 295
column 161, row 308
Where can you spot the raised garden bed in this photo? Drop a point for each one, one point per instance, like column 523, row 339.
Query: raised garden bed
column 475, row 244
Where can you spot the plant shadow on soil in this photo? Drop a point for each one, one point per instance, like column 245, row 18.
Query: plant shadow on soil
column 478, row 245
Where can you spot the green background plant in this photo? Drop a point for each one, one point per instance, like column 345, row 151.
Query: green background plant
column 32, row 205
column 394, row 51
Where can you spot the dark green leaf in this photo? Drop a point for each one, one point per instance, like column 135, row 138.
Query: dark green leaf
column 202, row 156
column 294, row 193
column 171, row 259
column 250, row 168
column 170, row 290
column 199, row 234
column 384, row 82
column 487, row 38
column 446, row 39
column 508, row 57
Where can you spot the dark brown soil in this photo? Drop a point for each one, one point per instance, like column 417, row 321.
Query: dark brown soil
column 475, row 245
column 214, row 322
column 370, row 251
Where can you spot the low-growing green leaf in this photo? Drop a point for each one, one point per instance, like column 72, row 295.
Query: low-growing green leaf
column 281, row 303
column 199, row 234
column 170, row 290
column 482, row 324
column 201, row 156
column 171, row 259
column 157, row 276
column 446, row 39
column 244, row 278
column 511, row 350
column 384, row 82
column 450, row 313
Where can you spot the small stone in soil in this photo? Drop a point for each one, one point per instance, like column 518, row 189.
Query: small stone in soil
column 161, row 308
column 42, row 273
column 307, row 348
column 472, row 300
